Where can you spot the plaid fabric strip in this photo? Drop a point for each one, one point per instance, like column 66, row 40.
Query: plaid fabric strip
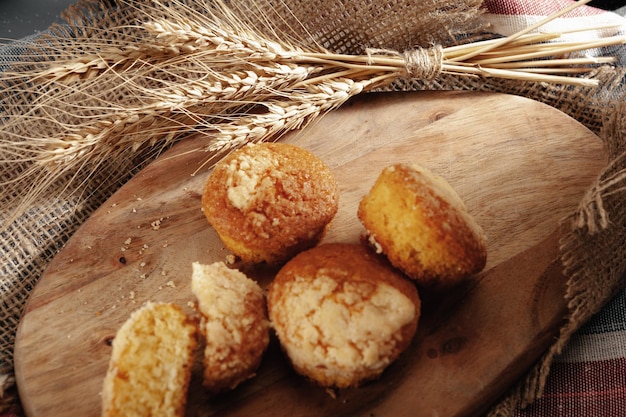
column 589, row 378
column 537, row 8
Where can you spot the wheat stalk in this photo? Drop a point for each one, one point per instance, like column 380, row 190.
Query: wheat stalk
column 243, row 68
column 215, row 75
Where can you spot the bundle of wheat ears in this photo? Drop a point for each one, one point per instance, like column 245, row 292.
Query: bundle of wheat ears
column 213, row 73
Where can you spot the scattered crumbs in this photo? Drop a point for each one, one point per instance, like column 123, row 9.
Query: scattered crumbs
column 132, row 295
column 134, row 210
column 331, row 393
column 85, row 303
column 165, row 245
column 156, row 225
column 231, row 259
column 163, row 273
column 142, row 276
column 138, row 198
column 142, row 264
column 171, row 284
column 128, row 241
column 160, row 287
column 71, row 260
column 191, row 304
column 372, row 240
column 144, row 247
column 139, row 227
column 89, row 247
column 114, row 204
column 185, row 188
column 113, row 307
column 123, row 249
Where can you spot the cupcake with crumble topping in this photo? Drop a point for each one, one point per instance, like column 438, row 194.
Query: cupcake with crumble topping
column 269, row 201
column 341, row 314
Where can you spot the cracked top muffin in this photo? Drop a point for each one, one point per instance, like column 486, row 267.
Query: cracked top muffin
column 341, row 314
column 269, row 201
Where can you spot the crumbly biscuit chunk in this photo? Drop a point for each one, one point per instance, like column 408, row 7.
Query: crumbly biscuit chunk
column 150, row 366
column 234, row 324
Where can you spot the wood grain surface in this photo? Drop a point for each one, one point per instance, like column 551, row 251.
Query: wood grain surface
column 520, row 166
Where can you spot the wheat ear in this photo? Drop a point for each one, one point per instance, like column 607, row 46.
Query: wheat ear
column 242, row 69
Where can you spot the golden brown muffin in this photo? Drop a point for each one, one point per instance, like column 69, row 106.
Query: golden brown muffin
column 341, row 315
column 234, row 324
column 150, row 366
column 422, row 225
column 269, row 201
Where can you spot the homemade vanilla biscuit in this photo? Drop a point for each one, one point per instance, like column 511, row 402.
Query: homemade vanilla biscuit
column 234, row 324
column 421, row 224
column 269, row 201
column 150, row 365
column 341, row 315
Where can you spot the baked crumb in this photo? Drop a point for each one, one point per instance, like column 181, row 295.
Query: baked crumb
column 156, row 225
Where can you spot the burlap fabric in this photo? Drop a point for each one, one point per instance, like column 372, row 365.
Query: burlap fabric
column 591, row 250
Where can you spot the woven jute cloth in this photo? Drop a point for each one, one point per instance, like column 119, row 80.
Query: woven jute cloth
column 592, row 249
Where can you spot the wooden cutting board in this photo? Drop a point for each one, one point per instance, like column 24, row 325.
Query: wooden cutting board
column 520, row 166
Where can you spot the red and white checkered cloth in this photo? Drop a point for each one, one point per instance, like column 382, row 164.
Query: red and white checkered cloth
column 589, row 378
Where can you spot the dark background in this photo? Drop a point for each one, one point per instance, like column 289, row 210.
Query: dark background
column 608, row 5
column 21, row 18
